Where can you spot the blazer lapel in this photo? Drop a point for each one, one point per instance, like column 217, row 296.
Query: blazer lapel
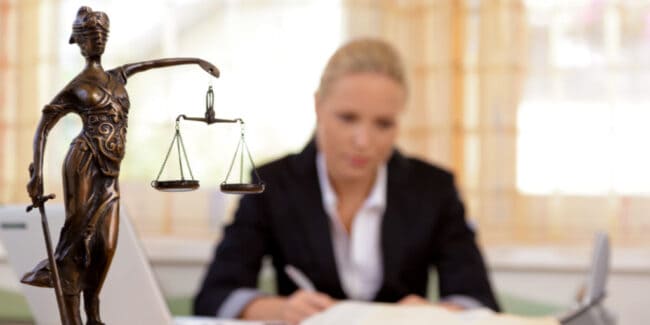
column 316, row 223
column 392, row 228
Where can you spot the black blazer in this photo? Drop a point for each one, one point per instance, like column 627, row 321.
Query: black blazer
column 423, row 226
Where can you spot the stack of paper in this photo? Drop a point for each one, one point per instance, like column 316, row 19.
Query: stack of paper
column 194, row 320
column 361, row 313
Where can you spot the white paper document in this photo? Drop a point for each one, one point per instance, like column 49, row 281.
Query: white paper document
column 192, row 320
column 362, row 313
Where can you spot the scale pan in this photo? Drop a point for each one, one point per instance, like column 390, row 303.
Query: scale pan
column 242, row 188
column 175, row 186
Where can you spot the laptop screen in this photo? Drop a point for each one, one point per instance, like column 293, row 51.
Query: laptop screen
column 130, row 294
column 597, row 276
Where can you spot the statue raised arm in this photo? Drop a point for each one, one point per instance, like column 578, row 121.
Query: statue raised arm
column 133, row 68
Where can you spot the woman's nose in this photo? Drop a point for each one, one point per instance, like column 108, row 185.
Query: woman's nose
column 362, row 136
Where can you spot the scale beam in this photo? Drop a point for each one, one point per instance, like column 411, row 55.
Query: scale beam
column 209, row 119
column 209, row 112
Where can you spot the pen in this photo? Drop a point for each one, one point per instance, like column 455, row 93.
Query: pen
column 299, row 278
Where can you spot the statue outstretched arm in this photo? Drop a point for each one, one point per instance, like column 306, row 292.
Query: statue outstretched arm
column 133, row 68
column 52, row 113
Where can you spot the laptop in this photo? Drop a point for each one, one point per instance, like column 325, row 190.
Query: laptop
column 589, row 309
column 130, row 294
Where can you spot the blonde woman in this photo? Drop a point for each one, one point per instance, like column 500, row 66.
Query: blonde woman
column 359, row 219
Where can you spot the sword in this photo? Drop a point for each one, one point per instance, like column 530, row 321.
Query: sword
column 40, row 203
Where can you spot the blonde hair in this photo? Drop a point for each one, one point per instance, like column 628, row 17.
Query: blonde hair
column 362, row 55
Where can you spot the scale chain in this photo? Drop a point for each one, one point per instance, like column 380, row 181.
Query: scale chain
column 187, row 161
column 179, row 144
column 250, row 158
column 178, row 147
column 171, row 145
column 232, row 162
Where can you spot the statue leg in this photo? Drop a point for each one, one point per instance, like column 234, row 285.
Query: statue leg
column 91, row 304
column 103, row 252
column 72, row 308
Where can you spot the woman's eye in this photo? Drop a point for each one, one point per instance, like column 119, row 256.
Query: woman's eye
column 347, row 117
column 385, row 123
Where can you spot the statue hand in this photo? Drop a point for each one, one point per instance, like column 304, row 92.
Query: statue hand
column 35, row 185
column 209, row 68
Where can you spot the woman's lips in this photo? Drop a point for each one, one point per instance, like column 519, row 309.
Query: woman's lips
column 357, row 161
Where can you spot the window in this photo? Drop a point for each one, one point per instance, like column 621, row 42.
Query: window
column 583, row 120
column 270, row 55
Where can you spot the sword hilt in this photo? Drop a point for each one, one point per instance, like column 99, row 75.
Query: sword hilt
column 40, row 200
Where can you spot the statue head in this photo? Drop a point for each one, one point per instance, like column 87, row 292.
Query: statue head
column 90, row 31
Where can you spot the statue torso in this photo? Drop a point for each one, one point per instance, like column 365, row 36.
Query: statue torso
column 104, row 107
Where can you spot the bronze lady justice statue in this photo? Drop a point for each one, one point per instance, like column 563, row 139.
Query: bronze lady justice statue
column 91, row 169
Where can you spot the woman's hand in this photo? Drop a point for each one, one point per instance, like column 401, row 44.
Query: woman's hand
column 450, row 306
column 35, row 185
column 413, row 300
column 292, row 310
column 209, row 68
column 417, row 300
column 303, row 304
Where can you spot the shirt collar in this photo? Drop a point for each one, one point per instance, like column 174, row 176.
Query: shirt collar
column 375, row 200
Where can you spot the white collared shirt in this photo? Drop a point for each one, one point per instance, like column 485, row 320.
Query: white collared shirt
column 358, row 254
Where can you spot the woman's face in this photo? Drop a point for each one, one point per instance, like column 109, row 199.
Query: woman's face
column 357, row 122
column 92, row 44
